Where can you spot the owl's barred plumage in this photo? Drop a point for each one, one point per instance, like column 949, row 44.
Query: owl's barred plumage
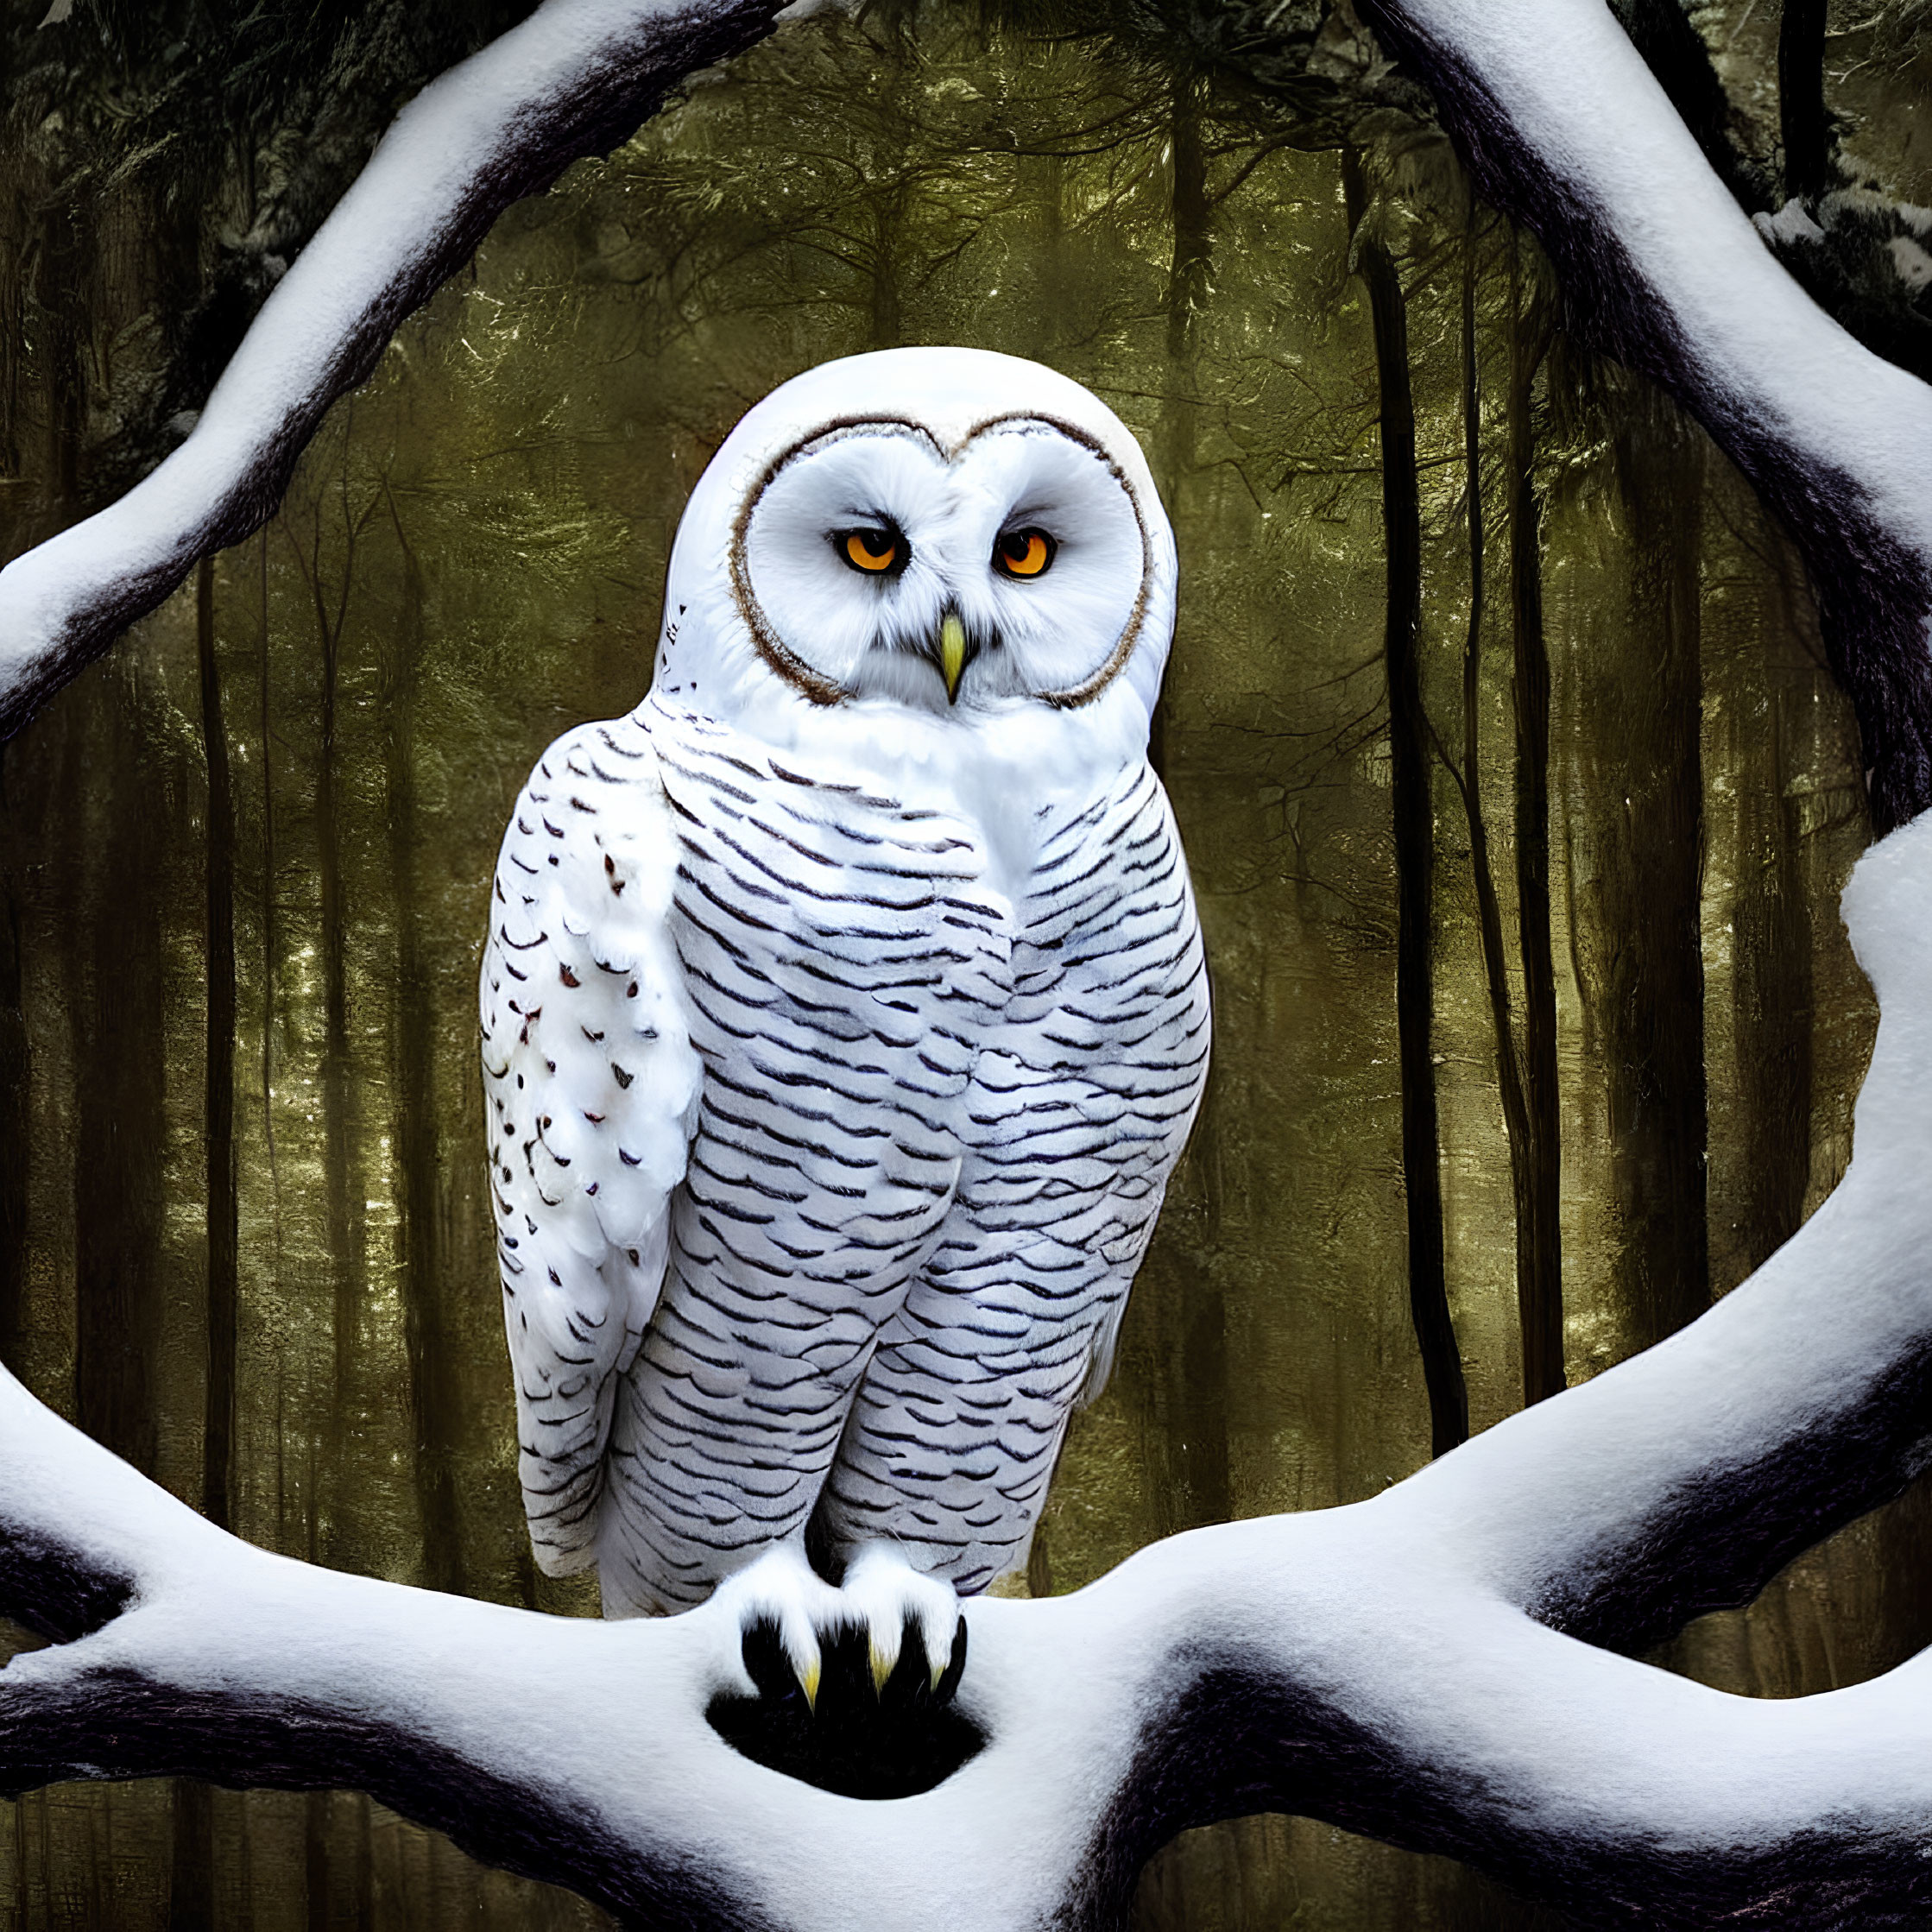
column 871, row 1028
column 591, row 1084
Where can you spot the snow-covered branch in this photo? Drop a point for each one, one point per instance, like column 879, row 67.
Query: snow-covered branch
column 574, row 79
column 1564, row 127
column 1408, row 1667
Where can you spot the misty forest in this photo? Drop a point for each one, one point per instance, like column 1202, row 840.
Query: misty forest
column 1482, row 641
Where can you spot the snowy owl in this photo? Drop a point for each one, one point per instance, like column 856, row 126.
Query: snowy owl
column 844, row 1012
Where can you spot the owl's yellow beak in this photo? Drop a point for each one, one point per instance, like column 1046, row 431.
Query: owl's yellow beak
column 952, row 654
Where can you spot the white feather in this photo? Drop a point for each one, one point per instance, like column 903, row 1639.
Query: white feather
column 592, row 1086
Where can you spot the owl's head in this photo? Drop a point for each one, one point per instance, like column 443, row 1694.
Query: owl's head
column 945, row 530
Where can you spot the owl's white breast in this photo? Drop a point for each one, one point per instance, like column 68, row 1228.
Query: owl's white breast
column 1002, row 767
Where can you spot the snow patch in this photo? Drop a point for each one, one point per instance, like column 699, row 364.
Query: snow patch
column 1792, row 222
column 1913, row 263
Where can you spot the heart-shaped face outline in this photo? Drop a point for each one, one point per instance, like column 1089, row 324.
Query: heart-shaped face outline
column 820, row 688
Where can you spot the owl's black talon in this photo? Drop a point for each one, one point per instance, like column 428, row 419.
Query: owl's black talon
column 913, row 1685
column 955, row 1667
column 768, row 1667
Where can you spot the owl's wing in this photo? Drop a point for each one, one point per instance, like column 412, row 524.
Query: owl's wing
column 592, row 1087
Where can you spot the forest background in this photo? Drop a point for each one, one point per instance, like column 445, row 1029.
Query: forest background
column 1480, row 640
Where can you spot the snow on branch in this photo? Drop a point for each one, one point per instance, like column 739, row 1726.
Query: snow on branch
column 1413, row 1667
column 1564, row 127
column 574, row 79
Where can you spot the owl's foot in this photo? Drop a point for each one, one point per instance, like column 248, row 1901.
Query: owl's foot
column 781, row 1594
column 850, row 1689
column 895, row 1604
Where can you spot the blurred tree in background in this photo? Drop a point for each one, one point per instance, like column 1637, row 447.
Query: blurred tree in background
column 1517, row 792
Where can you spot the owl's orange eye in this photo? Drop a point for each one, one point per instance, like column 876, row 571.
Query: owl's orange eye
column 874, row 550
column 1023, row 552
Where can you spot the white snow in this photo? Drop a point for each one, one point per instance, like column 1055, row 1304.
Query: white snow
column 1913, row 263
column 1792, row 222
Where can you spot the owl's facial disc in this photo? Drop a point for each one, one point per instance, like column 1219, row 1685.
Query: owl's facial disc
column 869, row 561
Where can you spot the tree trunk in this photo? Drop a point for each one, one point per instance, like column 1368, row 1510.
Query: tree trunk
column 342, row 1223
column 1414, row 828
column 271, row 896
column 1532, row 1137
column 1190, row 251
column 434, row 1400
column 222, row 1208
column 1804, row 125
column 1052, row 290
column 191, row 1890
column 889, row 225
column 119, row 1075
column 315, row 1860
column 1772, row 984
column 13, row 331
column 16, row 1100
column 1647, row 978
column 1539, row 1260
column 65, row 279
column 1189, row 217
